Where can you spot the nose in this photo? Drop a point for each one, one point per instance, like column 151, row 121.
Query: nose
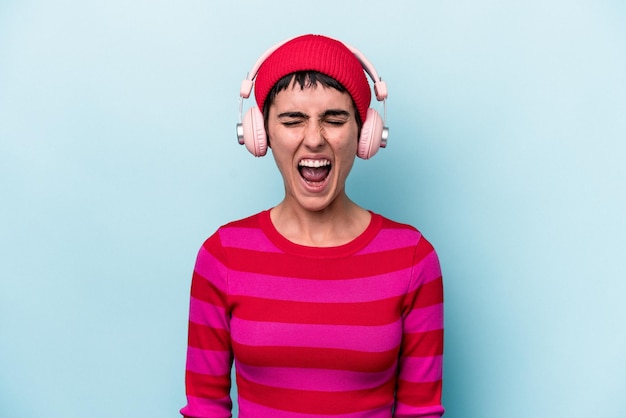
column 314, row 135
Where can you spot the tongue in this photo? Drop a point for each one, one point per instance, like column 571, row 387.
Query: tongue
column 313, row 174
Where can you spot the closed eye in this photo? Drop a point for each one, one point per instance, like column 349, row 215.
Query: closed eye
column 335, row 122
column 336, row 117
column 291, row 122
column 292, row 118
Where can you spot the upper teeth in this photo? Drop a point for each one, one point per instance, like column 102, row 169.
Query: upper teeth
column 314, row 163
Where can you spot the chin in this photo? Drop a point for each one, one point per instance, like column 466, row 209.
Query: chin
column 318, row 203
column 314, row 205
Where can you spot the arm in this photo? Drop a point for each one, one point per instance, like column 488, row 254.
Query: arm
column 209, row 353
column 420, row 365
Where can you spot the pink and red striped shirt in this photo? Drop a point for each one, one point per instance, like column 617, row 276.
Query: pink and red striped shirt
column 352, row 331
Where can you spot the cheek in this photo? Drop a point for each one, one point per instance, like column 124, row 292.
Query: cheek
column 283, row 158
column 346, row 156
column 348, row 147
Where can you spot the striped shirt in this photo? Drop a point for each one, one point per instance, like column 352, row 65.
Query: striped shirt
column 351, row 331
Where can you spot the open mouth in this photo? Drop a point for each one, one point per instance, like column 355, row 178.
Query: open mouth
column 314, row 171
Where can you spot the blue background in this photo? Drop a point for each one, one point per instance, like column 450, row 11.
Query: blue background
column 118, row 157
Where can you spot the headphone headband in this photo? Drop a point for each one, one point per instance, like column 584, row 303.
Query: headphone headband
column 380, row 87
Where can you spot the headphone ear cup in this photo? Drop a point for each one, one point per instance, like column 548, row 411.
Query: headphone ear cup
column 371, row 135
column 254, row 136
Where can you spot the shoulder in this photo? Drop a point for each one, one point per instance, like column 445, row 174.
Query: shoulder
column 397, row 230
column 236, row 231
column 399, row 235
column 252, row 221
column 425, row 260
column 391, row 224
column 239, row 225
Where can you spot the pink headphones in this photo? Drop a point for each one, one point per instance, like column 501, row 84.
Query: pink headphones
column 251, row 127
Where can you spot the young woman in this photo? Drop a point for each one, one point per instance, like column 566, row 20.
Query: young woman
column 326, row 308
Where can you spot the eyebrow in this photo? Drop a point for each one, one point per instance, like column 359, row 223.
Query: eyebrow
column 293, row 115
column 336, row 112
column 329, row 112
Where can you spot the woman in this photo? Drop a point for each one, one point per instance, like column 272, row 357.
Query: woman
column 327, row 309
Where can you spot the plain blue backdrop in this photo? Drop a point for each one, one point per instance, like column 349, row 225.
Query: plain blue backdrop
column 118, row 157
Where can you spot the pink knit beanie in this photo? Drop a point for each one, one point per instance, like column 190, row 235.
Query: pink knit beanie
column 317, row 53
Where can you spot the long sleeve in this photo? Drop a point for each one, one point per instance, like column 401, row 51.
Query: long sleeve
column 209, row 353
column 421, row 355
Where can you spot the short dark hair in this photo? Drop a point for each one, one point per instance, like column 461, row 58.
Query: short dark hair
column 306, row 79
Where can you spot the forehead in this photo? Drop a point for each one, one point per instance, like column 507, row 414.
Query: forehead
column 314, row 97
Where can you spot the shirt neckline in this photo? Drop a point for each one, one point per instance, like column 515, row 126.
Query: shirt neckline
column 339, row 251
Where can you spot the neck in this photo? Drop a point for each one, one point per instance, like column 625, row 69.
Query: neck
column 330, row 227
